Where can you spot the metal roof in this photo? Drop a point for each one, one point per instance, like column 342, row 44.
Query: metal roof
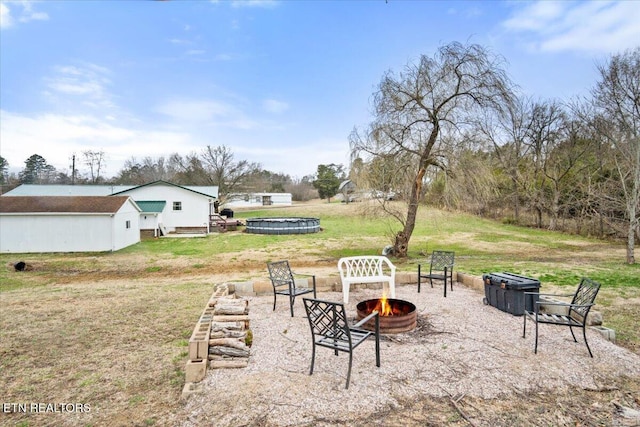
column 99, row 190
column 152, row 206
column 62, row 204
column 66, row 190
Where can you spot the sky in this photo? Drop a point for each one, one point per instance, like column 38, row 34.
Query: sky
column 281, row 83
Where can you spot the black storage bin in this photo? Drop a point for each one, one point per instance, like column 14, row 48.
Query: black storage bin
column 505, row 291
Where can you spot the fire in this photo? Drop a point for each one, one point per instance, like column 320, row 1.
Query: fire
column 383, row 307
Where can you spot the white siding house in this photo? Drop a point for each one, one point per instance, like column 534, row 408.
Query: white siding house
column 184, row 208
column 68, row 224
column 248, row 200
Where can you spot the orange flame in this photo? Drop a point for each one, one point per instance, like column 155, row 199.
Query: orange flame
column 383, row 307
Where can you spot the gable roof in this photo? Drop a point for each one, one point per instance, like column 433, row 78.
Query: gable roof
column 62, row 204
column 193, row 189
column 100, row 190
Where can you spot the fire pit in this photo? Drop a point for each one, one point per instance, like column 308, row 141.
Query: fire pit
column 395, row 315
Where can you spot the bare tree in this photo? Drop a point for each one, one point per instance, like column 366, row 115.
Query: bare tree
column 418, row 110
column 617, row 100
column 543, row 134
column 95, row 161
column 507, row 134
column 225, row 172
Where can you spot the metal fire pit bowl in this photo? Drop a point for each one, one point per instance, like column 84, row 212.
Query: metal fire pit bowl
column 404, row 318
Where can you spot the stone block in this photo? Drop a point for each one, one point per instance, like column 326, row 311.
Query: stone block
column 196, row 370
column 190, row 389
column 199, row 343
column 262, row 287
column 324, row 284
column 609, row 334
column 244, row 288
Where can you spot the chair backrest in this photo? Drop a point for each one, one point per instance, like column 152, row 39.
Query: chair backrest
column 364, row 266
column 585, row 295
column 280, row 274
column 328, row 319
column 442, row 259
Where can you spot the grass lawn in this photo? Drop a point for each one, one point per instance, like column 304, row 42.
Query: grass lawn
column 111, row 329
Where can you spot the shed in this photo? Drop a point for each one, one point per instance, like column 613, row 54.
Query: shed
column 31, row 224
column 246, row 200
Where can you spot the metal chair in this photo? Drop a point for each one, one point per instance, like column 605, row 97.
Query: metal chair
column 441, row 268
column 330, row 329
column 576, row 311
column 284, row 283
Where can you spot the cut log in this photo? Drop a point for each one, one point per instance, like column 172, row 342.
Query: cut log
column 229, row 351
column 231, row 363
column 228, row 342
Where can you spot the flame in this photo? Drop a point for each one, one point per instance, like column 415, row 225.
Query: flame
column 383, row 307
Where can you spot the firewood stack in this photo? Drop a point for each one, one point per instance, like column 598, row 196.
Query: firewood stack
column 230, row 336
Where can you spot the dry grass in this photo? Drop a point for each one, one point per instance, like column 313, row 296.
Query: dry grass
column 114, row 335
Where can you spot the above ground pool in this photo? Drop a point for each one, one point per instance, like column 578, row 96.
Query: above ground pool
column 283, row 225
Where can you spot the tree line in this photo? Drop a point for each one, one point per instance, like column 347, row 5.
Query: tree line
column 214, row 166
column 452, row 130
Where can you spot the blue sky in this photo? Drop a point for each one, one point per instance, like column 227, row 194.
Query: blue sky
column 281, row 83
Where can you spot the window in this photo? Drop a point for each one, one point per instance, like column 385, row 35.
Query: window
column 177, row 206
column 128, row 224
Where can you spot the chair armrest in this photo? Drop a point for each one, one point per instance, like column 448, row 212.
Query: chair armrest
column 564, row 304
column 550, row 295
column 302, row 274
column 366, row 319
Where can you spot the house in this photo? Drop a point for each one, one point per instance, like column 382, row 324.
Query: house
column 246, row 200
column 31, row 224
column 184, row 209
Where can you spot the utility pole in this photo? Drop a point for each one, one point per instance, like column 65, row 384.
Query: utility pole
column 73, row 169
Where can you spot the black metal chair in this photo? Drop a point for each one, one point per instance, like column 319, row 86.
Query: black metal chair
column 284, row 283
column 576, row 311
column 441, row 268
column 330, row 328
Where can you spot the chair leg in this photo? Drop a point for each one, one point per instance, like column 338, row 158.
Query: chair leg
column 292, row 300
column 313, row 357
column 378, row 341
column 535, row 350
column 584, row 334
column 349, row 371
column 572, row 334
column 274, row 301
column 419, row 278
column 524, row 326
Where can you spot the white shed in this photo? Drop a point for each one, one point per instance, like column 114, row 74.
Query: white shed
column 246, row 200
column 68, row 223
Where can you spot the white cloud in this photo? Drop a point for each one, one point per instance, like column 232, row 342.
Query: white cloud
column 88, row 82
column 197, row 111
column 6, row 20
column 598, row 26
column 27, row 14
column 57, row 137
column 274, row 106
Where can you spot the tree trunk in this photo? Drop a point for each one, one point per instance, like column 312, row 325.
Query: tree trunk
column 516, row 200
column 630, row 244
column 401, row 245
